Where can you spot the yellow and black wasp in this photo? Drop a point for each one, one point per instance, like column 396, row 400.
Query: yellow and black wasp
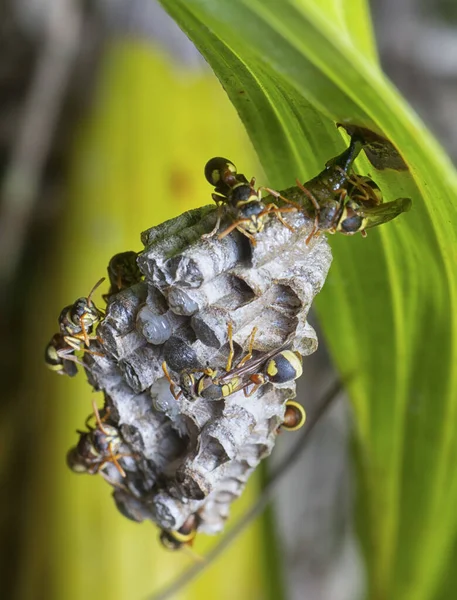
column 344, row 202
column 97, row 447
column 123, row 272
column 77, row 322
column 59, row 356
column 243, row 201
column 278, row 366
column 182, row 537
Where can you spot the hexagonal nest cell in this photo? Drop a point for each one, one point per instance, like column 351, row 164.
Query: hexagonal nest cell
column 184, row 457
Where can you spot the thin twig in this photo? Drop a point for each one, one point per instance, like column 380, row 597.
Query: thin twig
column 268, row 491
column 32, row 144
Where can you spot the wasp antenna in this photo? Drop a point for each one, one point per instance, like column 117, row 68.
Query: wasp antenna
column 99, row 282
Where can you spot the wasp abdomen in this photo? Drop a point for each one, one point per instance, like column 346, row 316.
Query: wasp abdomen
column 285, row 366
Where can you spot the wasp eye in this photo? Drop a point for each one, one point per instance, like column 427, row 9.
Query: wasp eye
column 220, row 170
column 351, row 221
column 351, row 225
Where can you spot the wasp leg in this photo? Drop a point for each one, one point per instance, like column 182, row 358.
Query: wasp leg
column 278, row 196
column 173, row 385
column 250, row 348
column 366, row 193
column 272, row 208
column 98, row 419
column 113, row 458
column 252, row 391
column 249, row 235
column 85, row 335
column 228, row 366
column 74, row 342
column 92, row 352
column 219, row 204
column 237, row 225
column 87, row 351
column 91, row 416
column 317, row 209
column 67, row 354
column 258, row 379
column 234, row 225
column 309, row 195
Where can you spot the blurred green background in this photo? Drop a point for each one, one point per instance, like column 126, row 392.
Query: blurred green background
column 135, row 158
column 107, row 117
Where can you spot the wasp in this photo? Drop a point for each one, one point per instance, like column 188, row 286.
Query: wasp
column 77, row 324
column 243, row 201
column 78, row 321
column 59, row 356
column 277, row 366
column 182, row 537
column 345, row 202
column 123, row 272
column 97, row 447
column 207, row 384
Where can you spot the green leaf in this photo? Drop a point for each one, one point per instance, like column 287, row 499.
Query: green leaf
column 293, row 69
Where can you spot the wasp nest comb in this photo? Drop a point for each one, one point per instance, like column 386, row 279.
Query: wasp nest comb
column 188, row 454
column 202, row 340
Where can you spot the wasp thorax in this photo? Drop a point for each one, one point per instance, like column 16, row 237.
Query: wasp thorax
column 123, row 270
column 243, row 193
column 252, row 209
column 188, row 385
column 79, row 309
column 106, row 440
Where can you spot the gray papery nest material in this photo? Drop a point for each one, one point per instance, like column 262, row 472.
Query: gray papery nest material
column 186, row 456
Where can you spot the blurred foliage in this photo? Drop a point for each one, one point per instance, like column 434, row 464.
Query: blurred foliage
column 442, row 10
column 294, row 69
column 137, row 161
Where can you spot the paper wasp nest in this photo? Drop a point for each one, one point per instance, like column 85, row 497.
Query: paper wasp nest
column 194, row 457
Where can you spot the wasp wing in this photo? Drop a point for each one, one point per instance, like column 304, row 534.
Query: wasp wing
column 377, row 215
column 253, row 365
